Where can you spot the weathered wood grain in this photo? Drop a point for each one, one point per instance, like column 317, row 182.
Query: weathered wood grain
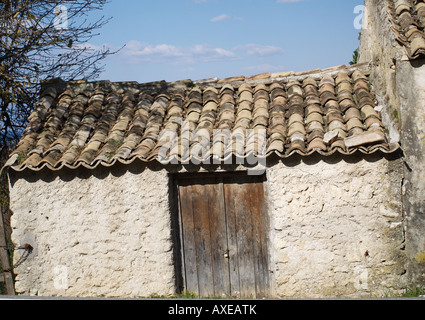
column 224, row 225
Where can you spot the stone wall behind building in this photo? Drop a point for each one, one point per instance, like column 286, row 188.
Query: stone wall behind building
column 399, row 84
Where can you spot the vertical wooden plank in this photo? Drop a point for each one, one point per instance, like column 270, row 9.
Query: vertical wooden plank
column 259, row 223
column 218, row 233
column 244, row 236
column 4, row 258
column 230, row 205
column 203, row 243
column 188, row 238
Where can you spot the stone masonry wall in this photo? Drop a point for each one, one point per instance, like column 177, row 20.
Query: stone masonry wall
column 400, row 87
column 101, row 234
column 336, row 229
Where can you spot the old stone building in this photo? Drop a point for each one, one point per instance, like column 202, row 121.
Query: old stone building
column 278, row 185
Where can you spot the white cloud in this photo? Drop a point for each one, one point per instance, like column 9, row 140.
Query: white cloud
column 225, row 17
column 206, row 53
column 259, row 50
column 138, row 49
column 165, row 53
column 220, row 18
column 136, row 52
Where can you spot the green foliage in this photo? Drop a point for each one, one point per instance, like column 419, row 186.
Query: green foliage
column 413, row 292
column 2, row 289
column 22, row 156
column 187, row 295
column 355, row 57
column 410, row 292
column 395, row 114
column 356, row 53
column 184, row 295
column 115, row 144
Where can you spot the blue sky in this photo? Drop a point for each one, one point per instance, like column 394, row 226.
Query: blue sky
column 196, row 39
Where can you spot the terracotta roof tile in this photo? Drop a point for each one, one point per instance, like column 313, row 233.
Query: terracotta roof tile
column 87, row 124
column 408, row 18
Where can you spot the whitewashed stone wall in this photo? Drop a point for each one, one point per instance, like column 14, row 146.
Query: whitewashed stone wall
column 96, row 235
column 400, row 88
column 336, row 229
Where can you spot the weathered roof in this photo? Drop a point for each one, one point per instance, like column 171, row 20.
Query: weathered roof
column 408, row 18
column 99, row 123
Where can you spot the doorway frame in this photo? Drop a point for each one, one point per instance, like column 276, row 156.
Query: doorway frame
column 177, row 231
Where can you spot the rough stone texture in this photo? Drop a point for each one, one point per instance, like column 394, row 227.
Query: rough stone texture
column 399, row 84
column 412, row 116
column 336, row 229
column 378, row 47
column 101, row 234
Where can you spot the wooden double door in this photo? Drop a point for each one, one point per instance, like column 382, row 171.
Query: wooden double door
column 223, row 232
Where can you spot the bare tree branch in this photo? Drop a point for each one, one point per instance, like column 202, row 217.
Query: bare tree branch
column 41, row 40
